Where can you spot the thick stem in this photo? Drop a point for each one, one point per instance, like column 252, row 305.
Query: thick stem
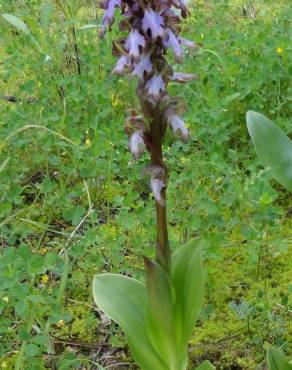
column 156, row 133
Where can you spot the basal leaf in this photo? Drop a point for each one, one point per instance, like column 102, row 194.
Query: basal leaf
column 16, row 22
column 272, row 146
column 187, row 279
column 276, row 360
column 124, row 301
column 160, row 313
column 206, row 365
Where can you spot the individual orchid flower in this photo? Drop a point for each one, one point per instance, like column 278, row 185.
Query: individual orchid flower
column 134, row 44
column 182, row 77
column 173, row 42
column 156, row 186
column 153, row 24
column 137, row 144
column 108, row 17
column 144, row 66
column 155, row 87
column 122, row 64
column 177, row 124
column 189, row 44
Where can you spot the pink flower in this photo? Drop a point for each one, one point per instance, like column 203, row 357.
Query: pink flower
column 143, row 66
column 136, row 144
column 155, row 87
column 182, row 77
column 152, row 24
column 172, row 42
column 122, row 64
column 156, row 186
column 135, row 44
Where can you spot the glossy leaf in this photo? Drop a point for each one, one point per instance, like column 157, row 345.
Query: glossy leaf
column 276, row 360
column 187, row 279
column 160, row 313
column 124, row 301
column 273, row 147
column 16, row 22
column 206, row 365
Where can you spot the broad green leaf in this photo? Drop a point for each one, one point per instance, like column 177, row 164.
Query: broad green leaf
column 16, row 22
column 206, row 365
column 272, row 146
column 124, row 300
column 276, row 360
column 160, row 313
column 187, row 279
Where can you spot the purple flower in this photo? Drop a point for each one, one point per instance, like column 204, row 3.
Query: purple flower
column 152, row 24
column 108, row 17
column 155, row 87
column 173, row 42
column 122, row 64
column 177, row 124
column 156, row 186
column 137, row 144
column 188, row 43
column 182, row 77
column 135, row 44
column 143, row 66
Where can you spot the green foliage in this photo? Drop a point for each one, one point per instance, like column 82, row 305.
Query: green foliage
column 273, row 147
column 206, row 365
column 276, row 360
column 158, row 321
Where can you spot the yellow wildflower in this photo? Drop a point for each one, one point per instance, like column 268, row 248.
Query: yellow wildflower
column 60, row 323
column 280, row 51
column 45, row 278
column 87, row 142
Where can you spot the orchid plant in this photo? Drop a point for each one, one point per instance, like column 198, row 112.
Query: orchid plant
column 157, row 317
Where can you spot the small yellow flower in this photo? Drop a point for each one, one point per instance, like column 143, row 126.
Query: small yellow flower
column 87, row 142
column 5, row 299
column 45, row 278
column 280, row 51
column 39, row 84
column 60, row 323
column 4, row 365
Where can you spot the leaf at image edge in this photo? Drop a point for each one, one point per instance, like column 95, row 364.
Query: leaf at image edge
column 272, row 146
column 276, row 360
column 124, row 301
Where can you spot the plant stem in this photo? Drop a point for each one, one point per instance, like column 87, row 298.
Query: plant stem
column 156, row 134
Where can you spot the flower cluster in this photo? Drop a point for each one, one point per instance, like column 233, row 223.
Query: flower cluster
column 153, row 27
